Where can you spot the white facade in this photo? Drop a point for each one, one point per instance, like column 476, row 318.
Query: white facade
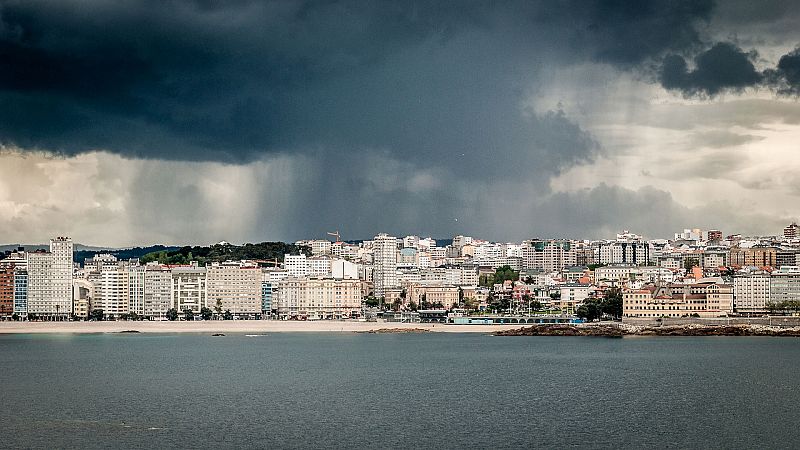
column 296, row 265
column 384, row 263
column 234, row 287
column 50, row 280
column 188, row 288
column 751, row 293
column 318, row 298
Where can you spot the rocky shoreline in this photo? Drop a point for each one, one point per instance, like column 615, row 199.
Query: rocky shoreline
column 395, row 330
column 632, row 330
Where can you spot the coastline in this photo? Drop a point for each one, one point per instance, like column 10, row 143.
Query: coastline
column 241, row 326
column 275, row 326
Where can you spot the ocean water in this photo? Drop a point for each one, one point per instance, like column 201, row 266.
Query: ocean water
column 299, row 390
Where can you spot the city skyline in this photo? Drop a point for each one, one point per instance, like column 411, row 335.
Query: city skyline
column 251, row 121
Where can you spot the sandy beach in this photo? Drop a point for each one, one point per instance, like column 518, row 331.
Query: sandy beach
column 238, row 326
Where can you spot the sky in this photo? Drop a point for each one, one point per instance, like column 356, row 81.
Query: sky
column 129, row 122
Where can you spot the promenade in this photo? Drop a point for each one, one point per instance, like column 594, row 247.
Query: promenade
column 238, row 326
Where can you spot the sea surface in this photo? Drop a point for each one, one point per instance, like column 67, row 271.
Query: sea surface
column 412, row 391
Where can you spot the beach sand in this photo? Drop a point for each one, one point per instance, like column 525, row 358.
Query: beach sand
column 239, row 326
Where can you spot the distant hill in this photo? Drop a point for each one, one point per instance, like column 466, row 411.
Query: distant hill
column 224, row 252
column 121, row 253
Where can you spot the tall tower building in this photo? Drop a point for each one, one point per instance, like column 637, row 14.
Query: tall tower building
column 384, row 249
column 50, row 280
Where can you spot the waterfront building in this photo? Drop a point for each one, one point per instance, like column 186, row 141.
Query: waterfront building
column 157, row 291
column 6, row 292
column 384, row 263
column 50, row 280
column 189, row 288
column 111, row 290
column 21, row 291
column 751, row 292
column 704, row 299
column 235, row 287
column 82, row 294
column 436, row 294
column 317, row 298
column 784, row 285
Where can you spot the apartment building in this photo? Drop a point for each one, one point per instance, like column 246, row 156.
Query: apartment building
column 235, row 287
column 317, row 298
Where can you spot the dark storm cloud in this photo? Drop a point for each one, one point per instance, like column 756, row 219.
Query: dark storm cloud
column 727, row 68
column 232, row 80
column 724, row 67
column 786, row 77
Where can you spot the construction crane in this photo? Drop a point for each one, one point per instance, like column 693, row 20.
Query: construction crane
column 335, row 233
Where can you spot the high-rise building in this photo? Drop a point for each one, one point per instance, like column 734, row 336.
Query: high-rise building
column 384, row 249
column 111, row 290
column 6, row 291
column 791, row 231
column 157, row 291
column 21, row 291
column 189, row 288
column 548, row 255
column 50, row 280
column 751, row 293
column 714, row 235
column 234, row 287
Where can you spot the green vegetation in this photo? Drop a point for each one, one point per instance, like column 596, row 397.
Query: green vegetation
column 691, row 262
column 784, row 307
column 206, row 313
column 96, row 314
column 188, row 314
column 172, row 314
column 610, row 305
column 227, row 315
column 501, row 274
column 268, row 251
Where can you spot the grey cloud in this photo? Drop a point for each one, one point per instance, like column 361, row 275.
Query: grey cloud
column 231, row 81
column 722, row 139
column 724, row 67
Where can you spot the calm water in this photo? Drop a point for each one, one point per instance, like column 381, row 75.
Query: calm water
column 423, row 391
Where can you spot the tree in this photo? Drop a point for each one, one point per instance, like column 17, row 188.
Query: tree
column 97, row 314
column 172, row 314
column 371, row 301
column 188, row 314
column 470, row 303
column 612, row 303
column 133, row 316
column 412, row 306
column 536, row 305
column 15, row 317
column 438, row 305
column 396, row 304
column 690, row 262
column 227, row 315
column 218, row 308
column 590, row 310
column 206, row 313
column 423, row 302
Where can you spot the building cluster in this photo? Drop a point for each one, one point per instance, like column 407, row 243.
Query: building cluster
column 697, row 273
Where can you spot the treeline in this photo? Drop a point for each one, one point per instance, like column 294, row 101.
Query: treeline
column 225, row 252
column 126, row 253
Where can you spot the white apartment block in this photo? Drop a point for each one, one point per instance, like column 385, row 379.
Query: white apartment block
column 635, row 253
column 50, row 280
column 189, row 288
column 158, row 291
column 319, row 266
column 384, row 248
column 296, row 265
column 111, row 290
column 751, row 293
column 317, row 298
column 234, row 287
